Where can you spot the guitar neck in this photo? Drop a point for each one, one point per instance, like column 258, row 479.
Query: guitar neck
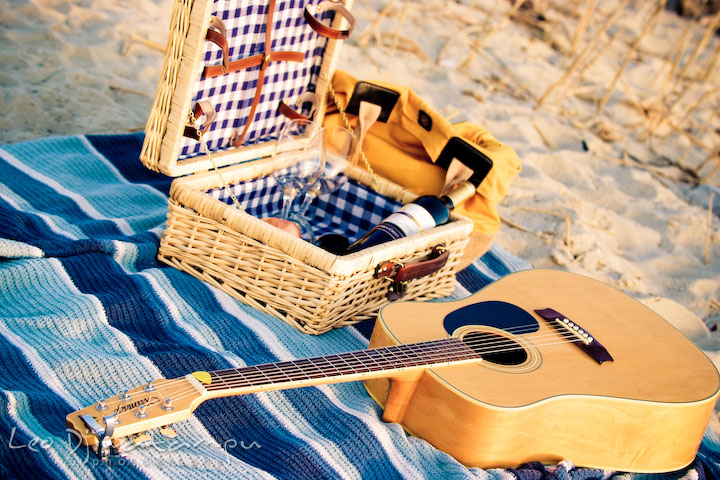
column 343, row 367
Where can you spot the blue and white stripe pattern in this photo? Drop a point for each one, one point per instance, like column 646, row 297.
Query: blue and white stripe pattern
column 232, row 94
column 86, row 312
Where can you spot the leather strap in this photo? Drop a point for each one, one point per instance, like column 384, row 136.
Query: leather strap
column 202, row 107
column 368, row 113
column 399, row 274
column 287, row 111
column 216, row 34
column 324, row 30
column 254, row 61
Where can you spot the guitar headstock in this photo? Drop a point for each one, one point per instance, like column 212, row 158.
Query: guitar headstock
column 157, row 404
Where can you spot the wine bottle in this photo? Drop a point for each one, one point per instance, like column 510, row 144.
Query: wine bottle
column 421, row 214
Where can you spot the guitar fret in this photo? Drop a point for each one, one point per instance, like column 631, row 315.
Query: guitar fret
column 350, row 367
column 300, row 370
column 362, row 365
column 246, row 382
column 312, row 371
column 329, row 363
column 372, row 354
column 348, row 363
column 257, row 368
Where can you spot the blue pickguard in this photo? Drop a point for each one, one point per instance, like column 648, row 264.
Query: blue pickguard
column 501, row 315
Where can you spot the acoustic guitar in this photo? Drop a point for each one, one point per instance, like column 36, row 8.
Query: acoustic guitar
column 538, row 366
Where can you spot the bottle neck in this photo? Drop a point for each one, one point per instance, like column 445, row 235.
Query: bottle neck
column 459, row 194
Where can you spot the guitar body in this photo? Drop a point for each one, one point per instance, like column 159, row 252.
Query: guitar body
column 644, row 411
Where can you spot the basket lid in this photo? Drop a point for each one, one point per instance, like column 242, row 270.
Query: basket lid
column 234, row 72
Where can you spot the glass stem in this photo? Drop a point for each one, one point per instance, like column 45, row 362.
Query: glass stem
column 289, row 194
column 307, row 200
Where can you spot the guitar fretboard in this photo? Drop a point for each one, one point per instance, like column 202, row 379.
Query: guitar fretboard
column 385, row 359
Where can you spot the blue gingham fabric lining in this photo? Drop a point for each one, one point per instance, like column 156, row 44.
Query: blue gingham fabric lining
column 351, row 210
column 232, row 94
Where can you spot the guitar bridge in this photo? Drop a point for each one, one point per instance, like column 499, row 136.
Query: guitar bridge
column 582, row 338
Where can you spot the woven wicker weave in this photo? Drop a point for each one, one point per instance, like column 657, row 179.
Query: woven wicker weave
column 284, row 276
column 260, row 265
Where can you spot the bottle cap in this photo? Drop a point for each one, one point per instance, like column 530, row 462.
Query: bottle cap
column 460, row 193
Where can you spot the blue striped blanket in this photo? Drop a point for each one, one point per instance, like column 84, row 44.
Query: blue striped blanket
column 86, row 312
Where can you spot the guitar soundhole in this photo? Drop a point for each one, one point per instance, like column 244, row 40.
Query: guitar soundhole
column 495, row 348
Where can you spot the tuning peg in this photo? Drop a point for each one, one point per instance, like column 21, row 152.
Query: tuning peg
column 149, row 387
column 167, row 406
column 142, row 440
column 125, row 397
column 141, row 413
column 168, row 432
column 101, row 406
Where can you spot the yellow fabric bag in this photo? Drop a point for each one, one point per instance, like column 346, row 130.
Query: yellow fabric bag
column 405, row 148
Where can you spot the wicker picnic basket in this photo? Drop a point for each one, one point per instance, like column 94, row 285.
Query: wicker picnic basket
column 213, row 230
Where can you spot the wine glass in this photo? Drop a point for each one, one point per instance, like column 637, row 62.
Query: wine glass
column 299, row 148
column 336, row 145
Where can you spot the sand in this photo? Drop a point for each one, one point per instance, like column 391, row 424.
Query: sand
column 620, row 194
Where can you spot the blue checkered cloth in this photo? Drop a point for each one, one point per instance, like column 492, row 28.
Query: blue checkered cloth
column 86, row 311
column 232, row 94
column 351, row 211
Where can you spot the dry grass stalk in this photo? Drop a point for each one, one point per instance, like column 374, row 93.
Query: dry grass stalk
column 578, row 59
column 571, row 88
column 480, row 41
column 404, row 44
column 633, row 48
column 566, row 240
column 708, row 236
column 115, row 88
column 132, row 38
column 563, row 214
column 633, row 99
column 582, row 25
column 544, row 138
column 715, row 169
column 508, row 73
column 398, row 29
column 707, row 36
column 370, row 30
column 714, row 155
column 692, row 108
column 694, row 139
column 712, row 64
column 676, row 55
column 512, row 224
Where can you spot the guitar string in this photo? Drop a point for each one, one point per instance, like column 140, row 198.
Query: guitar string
column 260, row 372
column 254, row 373
column 501, row 341
column 190, row 390
column 432, row 356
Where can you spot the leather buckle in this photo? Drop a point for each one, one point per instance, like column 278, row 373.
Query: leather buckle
column 399, row 274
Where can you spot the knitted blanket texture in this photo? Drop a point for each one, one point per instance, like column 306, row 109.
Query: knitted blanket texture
column 86, row 312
